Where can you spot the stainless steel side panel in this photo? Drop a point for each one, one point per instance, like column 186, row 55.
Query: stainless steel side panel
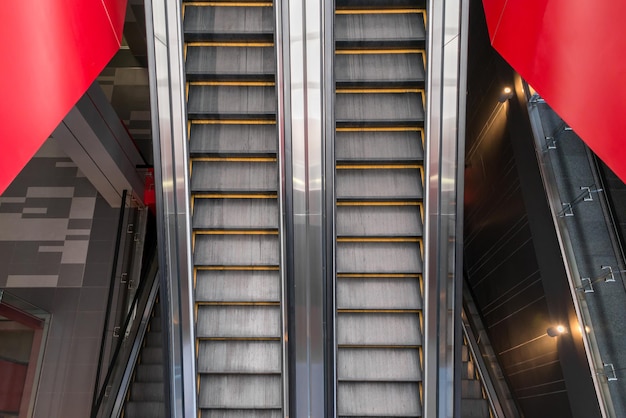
column 445, row 124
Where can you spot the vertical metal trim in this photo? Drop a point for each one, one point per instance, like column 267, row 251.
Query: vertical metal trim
column 445, row 107
column 167, row 102
column 282, row 197
column 329, row 216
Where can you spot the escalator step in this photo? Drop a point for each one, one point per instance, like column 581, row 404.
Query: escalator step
column 379, row 220
column 238, row 286
column 379, row 257
column 250, row 321
column 235, row 214
column 230, row 63
column 384, row 329
column 379, row 145
column 136, row 409
column 203, row 23
column 378, row 364
column 378, row 399
column 147, row 392
column 240, row 357
column 378, row 293
column 240, row 391
column 232, row 139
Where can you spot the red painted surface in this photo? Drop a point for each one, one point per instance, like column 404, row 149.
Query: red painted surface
column 52, row 51
column 572, row 53
column 14, row 314
column 11, row 385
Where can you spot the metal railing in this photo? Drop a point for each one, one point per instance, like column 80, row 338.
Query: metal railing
column 568, row 205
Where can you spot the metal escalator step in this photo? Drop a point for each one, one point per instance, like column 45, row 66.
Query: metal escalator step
column 367, row 26
column 238, row 413
column 240, row 391
column 151, row 355
column 234, row 176
column 207, row 62
column 378, row 399
column 375, row 107
column 153, row 339
column 379, row 257
column 379, row 220
column 235, row 213
column 378, row 364
column 379, row 145
column 379, row 68
column 236, row 250
column 136, row 409
column 471, row 389
column 238, row 321
column 475, row 408
column 375, row 328
column 379, row 293
column 252, row 285
column 149, row 373
column 231, row 101
column 232, row 139
column 228, row 23
column 147, row 392
column 240, row 357
column 388, row 183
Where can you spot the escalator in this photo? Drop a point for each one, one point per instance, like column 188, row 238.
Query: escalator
column 379, row 152
column 231, row 103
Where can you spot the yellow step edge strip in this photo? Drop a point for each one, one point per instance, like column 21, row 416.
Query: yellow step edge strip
column 233, row 83
column 379, row 239
column 233, row 196
column 194, row 44
column 380, row 275
column 380, row 129
column 228, row 4
column 236, row 232
column 378, row 90
column 234, row 159
column 379, row 51
column 377, row 203
column 420, row 205
column 378, row 346
column 379, row 11
column 196, row 269
column 232, row 122
column 398, row 90
column 228, row 303
column 392, row 311
column 236, row 268
column 238, row 338
column 378, row 166
column 383, row 11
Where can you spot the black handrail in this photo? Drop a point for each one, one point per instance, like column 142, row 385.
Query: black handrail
column 118, row 242
column 145, row 283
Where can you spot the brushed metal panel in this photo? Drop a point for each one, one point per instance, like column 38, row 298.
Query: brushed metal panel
column 238, row 413
column 399, row 364
column 239, row 357
column 378, row 329
column 235, row 213
column 237, row 286
column 379, row 257
column 229, row 20
column 238, row 321
column 237, row 250
column 240, row 391
column 378, row 27
column 378, row 399
column 379, row 146
column 384, row 183
column 225, row 139
column 231, row 100
column 379, row 220
column 234, row 176
column 378, row 293
column 379, row 68
column 230, row 61
column 374, row 107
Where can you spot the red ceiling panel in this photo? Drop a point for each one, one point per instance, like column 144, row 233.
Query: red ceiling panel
column 52, row 52
column 572, row 53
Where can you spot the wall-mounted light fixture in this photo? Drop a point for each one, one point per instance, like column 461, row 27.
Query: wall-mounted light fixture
column 506, row 94
column 555, row 331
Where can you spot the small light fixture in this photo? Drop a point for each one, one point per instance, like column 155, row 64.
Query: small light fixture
column 556, row 330
column 506, row 94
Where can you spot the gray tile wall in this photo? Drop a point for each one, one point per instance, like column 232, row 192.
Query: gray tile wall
column 57, row 238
